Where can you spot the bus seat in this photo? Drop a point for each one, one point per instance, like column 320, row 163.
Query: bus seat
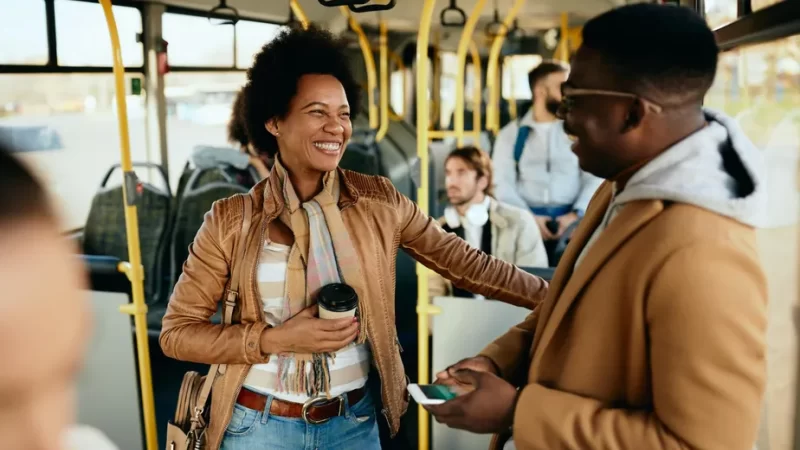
column 104, row 234
column 545, row 273
column 193, row 204
column 360, row 158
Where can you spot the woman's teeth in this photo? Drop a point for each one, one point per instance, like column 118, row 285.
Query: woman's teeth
column 328, row 146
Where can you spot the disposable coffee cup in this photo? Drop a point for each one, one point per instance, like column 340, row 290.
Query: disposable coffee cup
column 337, row 301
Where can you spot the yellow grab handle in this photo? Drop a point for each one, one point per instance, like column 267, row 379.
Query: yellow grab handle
column 134, row 269
column 492, row 71
column 461, row 60
column 423, row 123
column 369, row 62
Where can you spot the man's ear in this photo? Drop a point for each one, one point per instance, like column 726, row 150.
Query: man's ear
column 483, row 183
column 636, row 114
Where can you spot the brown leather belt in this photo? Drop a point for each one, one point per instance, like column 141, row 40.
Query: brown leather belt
column 314, row 411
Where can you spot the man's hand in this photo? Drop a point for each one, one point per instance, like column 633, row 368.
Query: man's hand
column 476, row 363
column 542, row 222
column 564, row 222
column 488, row 408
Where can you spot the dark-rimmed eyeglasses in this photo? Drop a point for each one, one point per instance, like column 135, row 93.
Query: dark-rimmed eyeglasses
column 568, row 95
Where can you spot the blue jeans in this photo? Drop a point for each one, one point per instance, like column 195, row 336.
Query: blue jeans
column 255, row 430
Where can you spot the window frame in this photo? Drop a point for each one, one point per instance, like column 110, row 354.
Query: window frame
column 202, row 13
column 52, row 66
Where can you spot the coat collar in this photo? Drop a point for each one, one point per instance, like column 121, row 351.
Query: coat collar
column 567, row 286
column 274, row 203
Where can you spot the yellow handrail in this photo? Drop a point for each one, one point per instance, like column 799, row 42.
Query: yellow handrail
column 461, row 59
column 299, row 13
column 384, row 79
column 563, row 46
column 423, row 122
column 369, row 62
column 133, row 270
column 477, row 94
column 492, row 72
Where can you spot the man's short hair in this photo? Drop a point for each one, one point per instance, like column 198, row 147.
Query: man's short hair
column 23, row 196
column 544, row 69
column 667, row 52
column 478, row 161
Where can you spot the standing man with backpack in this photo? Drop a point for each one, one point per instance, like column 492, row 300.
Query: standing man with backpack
column 534, row 166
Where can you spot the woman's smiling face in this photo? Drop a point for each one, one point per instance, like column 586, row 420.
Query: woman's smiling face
column 313, row 134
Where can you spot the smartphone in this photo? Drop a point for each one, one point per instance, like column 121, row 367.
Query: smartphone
column 430, row 394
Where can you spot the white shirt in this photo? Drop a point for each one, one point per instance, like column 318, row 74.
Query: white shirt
column 549, row 174
column 473, row 225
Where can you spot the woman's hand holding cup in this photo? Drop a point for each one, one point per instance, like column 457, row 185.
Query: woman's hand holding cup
column 306, row 333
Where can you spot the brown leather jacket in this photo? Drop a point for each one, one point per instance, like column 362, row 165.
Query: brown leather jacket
column 380, row 221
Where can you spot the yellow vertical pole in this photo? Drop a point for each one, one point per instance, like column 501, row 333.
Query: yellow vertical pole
column 461, row 55
column 299, row 13
column 564, row 44
column 477, row 93
column 133, row 269
column 369, row 62
column 492, row 71
column 423, row 122
column 384, row 81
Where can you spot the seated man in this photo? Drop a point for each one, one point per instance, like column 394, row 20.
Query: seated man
column 504, row 231
column 653, row 332
column 535, row 167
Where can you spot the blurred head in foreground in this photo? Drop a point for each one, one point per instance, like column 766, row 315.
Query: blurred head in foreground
column 44, row 319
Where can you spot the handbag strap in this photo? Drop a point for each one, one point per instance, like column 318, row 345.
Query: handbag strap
column 231, row 297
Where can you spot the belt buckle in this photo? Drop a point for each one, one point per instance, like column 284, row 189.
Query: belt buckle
column 315, row 402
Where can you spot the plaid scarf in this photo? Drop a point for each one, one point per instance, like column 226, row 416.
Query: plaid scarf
column 322, row 253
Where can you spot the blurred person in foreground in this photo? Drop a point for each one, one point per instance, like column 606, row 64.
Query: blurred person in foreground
column 653, row 333
column 44, row 321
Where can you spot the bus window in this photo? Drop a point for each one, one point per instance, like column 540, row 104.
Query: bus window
column 760, row 87
column 447, row 92
column 65, row 127
column 518, row 66
column 198, row 109
column 720, row 12
column 761, row 4
column 196, row 42
column 87, row 44
column 397, row 99
column 250, row 37
column 33, row 33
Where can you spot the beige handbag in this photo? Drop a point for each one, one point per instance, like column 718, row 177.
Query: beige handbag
column 187, row 430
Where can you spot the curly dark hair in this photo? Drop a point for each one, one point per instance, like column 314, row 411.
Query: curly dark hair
column 237, row 131
column 272, row 80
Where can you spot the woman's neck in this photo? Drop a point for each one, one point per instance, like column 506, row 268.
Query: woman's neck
column 307, row 185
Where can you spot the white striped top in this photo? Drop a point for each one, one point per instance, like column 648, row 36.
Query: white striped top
column 349, row 367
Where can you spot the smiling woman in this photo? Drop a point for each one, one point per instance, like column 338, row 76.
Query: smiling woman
column 314, row 225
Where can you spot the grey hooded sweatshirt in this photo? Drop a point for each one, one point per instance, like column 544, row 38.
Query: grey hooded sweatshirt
column 716, row 168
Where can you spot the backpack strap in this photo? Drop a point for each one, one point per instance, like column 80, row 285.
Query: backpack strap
column 523, row 131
